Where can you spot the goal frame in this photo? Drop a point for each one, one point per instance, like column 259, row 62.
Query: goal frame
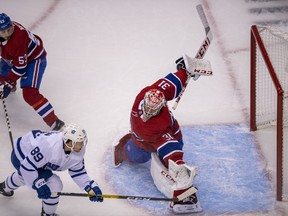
column 255, row 39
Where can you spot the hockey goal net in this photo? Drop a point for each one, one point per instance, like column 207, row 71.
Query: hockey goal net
column 269, row 94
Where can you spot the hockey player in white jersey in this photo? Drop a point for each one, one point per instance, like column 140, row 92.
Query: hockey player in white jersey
column 37, row 154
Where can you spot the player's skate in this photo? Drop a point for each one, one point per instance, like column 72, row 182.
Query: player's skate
column 118, row 150
column 45, row 214
column 4, row 193
column 187, row 205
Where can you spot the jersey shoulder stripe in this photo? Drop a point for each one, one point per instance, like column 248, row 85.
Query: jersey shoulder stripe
column 173, row 79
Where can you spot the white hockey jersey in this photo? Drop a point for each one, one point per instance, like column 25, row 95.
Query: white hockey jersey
column 45, row 150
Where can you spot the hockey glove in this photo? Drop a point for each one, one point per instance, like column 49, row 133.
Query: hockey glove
column 4, row 91
column 94, row 192
column 197, row 67
column 180, row 64
column 9, row 81
column 42, row 189
column 6, row 86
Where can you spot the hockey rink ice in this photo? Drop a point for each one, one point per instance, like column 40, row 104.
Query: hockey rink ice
column 101, row 53
column 231, row 177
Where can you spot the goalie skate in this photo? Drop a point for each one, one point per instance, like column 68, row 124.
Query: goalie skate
column 188, row 205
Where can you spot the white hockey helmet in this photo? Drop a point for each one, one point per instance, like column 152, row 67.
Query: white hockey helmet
column 154, row 100
column 74, row 133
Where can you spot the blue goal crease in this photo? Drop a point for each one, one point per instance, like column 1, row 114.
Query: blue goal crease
column 231, row 178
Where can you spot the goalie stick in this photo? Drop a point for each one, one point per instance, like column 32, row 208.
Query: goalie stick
column 202, row 50
column 121, row 197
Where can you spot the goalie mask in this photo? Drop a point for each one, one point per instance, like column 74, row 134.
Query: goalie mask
column 75, row 134
column 154, row 100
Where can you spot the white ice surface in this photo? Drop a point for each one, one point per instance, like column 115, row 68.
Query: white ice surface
column 101, row 53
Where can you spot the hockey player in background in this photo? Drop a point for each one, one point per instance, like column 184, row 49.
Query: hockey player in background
column 156, row 134
column 23, row 58
column 38, row 153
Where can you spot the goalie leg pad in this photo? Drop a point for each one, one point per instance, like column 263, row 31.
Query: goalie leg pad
column 119, row 149
column 163, row 181
column 178, row 177
column 182, row 174
column 167, row 185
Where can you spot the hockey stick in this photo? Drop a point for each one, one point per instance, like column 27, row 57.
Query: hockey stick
column 7, row 120
column 109, row 196
column 202, row 50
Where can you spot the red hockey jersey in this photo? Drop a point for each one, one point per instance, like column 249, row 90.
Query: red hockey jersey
column 22, row 48
column 160, row 131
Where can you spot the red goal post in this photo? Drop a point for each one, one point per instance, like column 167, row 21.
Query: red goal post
column 269, row 94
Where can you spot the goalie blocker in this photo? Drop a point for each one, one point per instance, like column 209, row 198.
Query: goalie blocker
column 195, row 67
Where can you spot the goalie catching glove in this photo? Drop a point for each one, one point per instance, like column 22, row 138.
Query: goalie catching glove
column 194, row 67
column 94, row 192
